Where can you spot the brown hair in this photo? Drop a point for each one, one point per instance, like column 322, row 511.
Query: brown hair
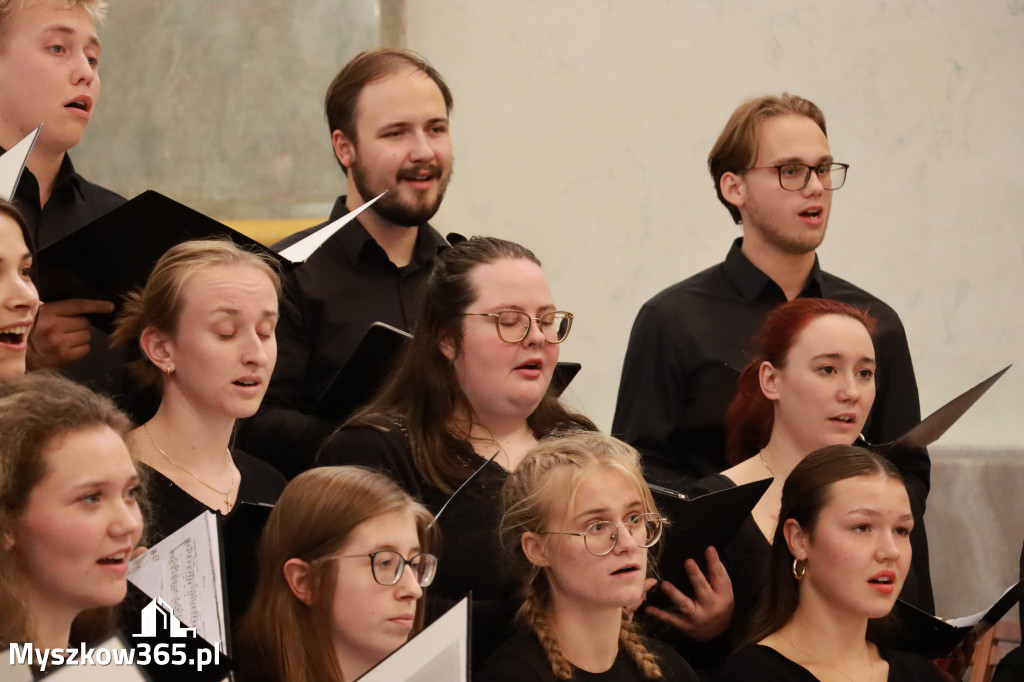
column 736, row 147
column 280, row 637
column 159, row 303
column 34, row 410
column 97, row 9
column 367, row 67
column 804, row 495
column 11, row 210
column 423, row 392
column 751, row 416
column 553, row 469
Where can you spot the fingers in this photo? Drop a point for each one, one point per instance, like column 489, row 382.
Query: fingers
column 74, row 307
column 718, row 577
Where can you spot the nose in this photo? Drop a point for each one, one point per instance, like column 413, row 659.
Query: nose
column 888, row 547
column 408, row 587
column 256, row 350
column 421, row 150
column 814, row 186
column 127, row 521
column 625, row 542
column 849, row 390
column 534, row 335
column 82, row 70
column 20, row 294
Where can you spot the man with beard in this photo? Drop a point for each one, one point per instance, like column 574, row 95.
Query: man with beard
column 388, row 115
column 773, row 170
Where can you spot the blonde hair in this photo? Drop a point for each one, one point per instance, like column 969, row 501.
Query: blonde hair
column 159, row 303
column 97, row 9
column 280, row 637
column 554, row 468
column 34, row 410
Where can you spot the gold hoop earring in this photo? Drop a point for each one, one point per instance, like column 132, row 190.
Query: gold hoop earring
column 799, row 568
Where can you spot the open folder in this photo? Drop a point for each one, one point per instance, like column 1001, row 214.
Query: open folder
column 114, row 254
column 938, row 422
column 12, row 164
column 920, row 632
column 439, row 652
column 696, row 523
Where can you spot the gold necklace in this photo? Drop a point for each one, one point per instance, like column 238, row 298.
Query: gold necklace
column 871, row 663
column 231, row 470
column 760, row 453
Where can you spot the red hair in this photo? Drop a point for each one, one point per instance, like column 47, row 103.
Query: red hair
column 750, row 417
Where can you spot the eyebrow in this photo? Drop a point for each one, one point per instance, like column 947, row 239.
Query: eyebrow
column 839, row 356
column 513, row 306
column 873, row 513
column 796, row 159
column 92, row 39
column 235, row 311
column 602, row 510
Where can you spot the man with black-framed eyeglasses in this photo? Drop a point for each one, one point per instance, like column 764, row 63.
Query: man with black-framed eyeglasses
column 775, row 172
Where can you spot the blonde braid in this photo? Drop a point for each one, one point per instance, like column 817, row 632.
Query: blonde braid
column 535, row 617
column 633, row 644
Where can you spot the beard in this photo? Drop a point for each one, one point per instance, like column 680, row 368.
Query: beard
column 391, row 207
column 799, row 244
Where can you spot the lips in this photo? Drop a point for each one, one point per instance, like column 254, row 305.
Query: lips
column 628, row 569
column 15, row 335
column 81, row 103
column 420, row 174
column 883, row 581
column 248, row 381
column 844, row 418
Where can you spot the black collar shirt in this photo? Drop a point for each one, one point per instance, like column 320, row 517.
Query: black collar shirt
column 327, row 305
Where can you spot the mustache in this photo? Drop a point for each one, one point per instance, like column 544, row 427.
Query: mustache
column 411, row 172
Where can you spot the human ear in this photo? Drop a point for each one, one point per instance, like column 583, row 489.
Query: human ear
column 297, row 575
column 768, row 378
column 734, row 190
column 344, row 150
column 158, row 347
column 447, row 347
column 534, row 549
column 796, row 539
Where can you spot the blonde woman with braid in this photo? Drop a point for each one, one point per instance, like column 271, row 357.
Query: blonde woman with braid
column 578, row 522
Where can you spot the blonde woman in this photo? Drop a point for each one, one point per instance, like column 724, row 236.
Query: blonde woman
column 205, row 324
column 343, row 562
column 578, row 523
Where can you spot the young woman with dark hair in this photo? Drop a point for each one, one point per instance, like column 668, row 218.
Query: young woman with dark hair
column 19, row 300
column 839, row 558
column 472, row 383
column 578, row 524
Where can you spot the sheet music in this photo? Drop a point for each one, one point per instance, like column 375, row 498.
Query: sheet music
column 183, row 569
column 440, row 652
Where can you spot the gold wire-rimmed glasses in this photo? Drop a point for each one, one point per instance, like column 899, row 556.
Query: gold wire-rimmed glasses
column 600, row 537
column 514, row 325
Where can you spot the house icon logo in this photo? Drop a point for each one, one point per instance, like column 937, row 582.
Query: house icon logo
column 158, row 616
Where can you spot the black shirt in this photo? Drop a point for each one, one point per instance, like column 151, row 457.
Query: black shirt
column 522, row 659
column 687, row 348
column 765, row 664
column 327, row 305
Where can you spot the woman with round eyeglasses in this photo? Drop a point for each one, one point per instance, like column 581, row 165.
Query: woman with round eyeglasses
column 472, row 385
column 343, row 562
column 579, row 520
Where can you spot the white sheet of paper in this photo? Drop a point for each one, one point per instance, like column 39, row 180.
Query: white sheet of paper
column 974, row 619
column 440, row 652
column 184, row 570
column 12, row 163
column 303, row 249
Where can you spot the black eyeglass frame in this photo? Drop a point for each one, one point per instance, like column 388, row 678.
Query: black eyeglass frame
column 807, row 176
column 566, row 315
column 647, row 516
column 429, row 572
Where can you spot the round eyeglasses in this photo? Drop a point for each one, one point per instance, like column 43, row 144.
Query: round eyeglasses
column 600, row 537
column 514, row 325
column 795, row 176
column 388, row 565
